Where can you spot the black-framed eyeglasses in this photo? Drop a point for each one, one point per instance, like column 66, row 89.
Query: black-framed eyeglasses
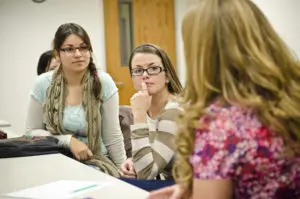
column 152, row 70
column 72, row 50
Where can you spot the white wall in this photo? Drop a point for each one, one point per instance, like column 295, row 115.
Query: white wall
column 27, row 30
column 283, row 14
column 181, row 6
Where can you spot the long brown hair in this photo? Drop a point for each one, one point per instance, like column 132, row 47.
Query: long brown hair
column 174, row 86
column 64, row 31
column 233, row 53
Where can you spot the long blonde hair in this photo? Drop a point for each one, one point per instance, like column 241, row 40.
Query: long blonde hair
column 234, row 54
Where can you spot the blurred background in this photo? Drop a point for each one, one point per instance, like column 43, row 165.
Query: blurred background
column 27, row 28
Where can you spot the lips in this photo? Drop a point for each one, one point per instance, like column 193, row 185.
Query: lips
column 78, row 62
column 149, row 83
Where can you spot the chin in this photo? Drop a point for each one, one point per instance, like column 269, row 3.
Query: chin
column 151, row 92
column 80, row 69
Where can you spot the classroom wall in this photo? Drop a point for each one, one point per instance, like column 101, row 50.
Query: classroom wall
column 27, row 29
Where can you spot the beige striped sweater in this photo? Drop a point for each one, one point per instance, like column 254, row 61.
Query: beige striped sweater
column 153, row 146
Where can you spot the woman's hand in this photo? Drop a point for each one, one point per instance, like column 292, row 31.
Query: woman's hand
column 171, row 192
column 140, row 103
column 80, row 150
column 127, row 169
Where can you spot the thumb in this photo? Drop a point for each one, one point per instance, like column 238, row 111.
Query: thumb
column 90, row 153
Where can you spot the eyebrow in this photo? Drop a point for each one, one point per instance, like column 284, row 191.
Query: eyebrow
column 152, row 63
column 71, row 45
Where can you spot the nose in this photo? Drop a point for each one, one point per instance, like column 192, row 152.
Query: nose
column 145, row 75
column 77, row 52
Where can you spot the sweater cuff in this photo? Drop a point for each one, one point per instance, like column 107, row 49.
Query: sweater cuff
column 138, row 126
column 64, row 140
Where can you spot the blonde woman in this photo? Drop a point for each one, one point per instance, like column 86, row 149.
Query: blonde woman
column 240, row 134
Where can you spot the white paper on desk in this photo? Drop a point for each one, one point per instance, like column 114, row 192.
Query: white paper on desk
column 58, row 190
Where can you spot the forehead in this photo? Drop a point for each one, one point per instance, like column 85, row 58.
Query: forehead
column 73, row 40
column 144, row 59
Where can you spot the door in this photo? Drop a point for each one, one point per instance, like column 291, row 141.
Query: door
column 129, row 23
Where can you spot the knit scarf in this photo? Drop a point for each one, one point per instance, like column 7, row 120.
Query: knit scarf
column 53, row 116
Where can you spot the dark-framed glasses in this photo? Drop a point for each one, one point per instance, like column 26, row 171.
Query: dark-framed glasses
column 152, row 70
column 72, row 50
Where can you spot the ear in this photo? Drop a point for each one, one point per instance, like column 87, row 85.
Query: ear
column 167, row 79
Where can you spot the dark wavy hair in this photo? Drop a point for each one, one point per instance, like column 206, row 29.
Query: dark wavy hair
column 44, row 62
column 64, row 31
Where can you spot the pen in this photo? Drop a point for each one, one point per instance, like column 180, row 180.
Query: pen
column 84, row 188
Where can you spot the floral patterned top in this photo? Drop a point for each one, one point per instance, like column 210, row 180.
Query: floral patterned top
column 234, row 144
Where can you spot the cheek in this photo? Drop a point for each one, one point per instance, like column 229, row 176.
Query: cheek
column 160, row 80
column 136, row 82
column 88, row 57
column 64, row 61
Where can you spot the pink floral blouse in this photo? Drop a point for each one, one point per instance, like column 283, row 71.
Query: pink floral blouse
column 234, row 144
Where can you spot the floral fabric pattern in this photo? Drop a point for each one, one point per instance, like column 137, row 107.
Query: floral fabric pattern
column 233, row 144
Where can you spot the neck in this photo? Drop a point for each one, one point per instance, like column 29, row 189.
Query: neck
column 74, row 78
column 158, row 103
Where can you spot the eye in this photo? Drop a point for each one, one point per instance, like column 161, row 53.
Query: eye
column 69, row 50
column 153, row 68
column 84, row 48
column 138, row 70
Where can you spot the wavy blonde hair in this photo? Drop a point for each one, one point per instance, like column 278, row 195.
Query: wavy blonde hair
column 234, row 54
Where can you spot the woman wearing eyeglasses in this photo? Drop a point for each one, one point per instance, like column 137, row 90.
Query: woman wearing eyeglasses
column 155, row 108
column 77, row 104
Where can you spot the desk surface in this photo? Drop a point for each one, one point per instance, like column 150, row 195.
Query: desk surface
column 4, row 123
column 27, row 172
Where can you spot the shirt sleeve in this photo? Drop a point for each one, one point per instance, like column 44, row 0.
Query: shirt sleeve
column 41, row 84
column 34, row 124
column 109, row 87
column 111, row 130
column 151, row 158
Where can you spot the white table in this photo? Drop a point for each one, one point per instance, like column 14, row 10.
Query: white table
column 27, row 172
column 6, row 127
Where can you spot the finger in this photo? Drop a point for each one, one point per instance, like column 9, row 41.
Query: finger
column 161, row 193
column 127, row 172
column 177, row 193
column 122, row 167
column 127, row 166
column 77, row 156
column 123, row 170
column 121, row 173
column 89, row 153
column 83, row 157
column 128, row 176
column 131, row 168
column 144, row 86
column 133, row 97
